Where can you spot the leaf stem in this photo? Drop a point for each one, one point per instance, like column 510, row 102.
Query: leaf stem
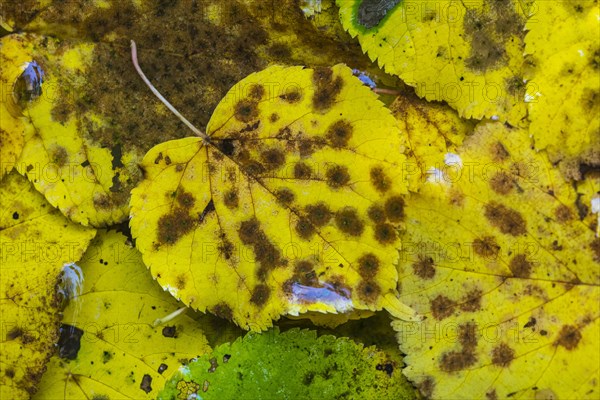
column 174, row 314
column 197, row 131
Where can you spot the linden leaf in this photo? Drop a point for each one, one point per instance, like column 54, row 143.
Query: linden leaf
column 35, row 242
column 564, row 103
column 109, row 347
column 293, row 206
column 430, row 129
column 468, row 54
column 499, row 261
column 66, row 154
column 290, row 365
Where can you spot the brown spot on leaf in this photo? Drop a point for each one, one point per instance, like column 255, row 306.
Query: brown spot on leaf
column 486, row 247
column 368, row 266
column 319, row 214
column 59, row 156
column 467, row 335
column 339, row 133
column 491, row 395
column 304, row 274
column 272, row 158
column 302, row 171
column 274, row 117
column 385, row 233
column 171, row 227
column 379, row 179
column 426, row 387
column 368, row 291
column 169, row 331
column 376, row 213
column 499, row 152
column 180, row 282
column 260, row 295
column 506, row 219
column 304, row 228
column 520, row 266
column 457, row 360
column 256, row 91
column 249, row 231
column 292, row 96
column 502, row 355
column 326, row 88
column 563, row 214
column 423, row 267
column 265, row 252
column 472, row 301
column 568, row 337
column 231, row 199
column 223, row 310
column 285, row 196
column 146, row 384
column 347, row 221
column 246, row 110
column 394, row 208
column 185, row 199
column 502, row 183
column 337, row 176
column 442, row 307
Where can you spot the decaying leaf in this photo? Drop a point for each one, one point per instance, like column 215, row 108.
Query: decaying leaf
column 499, row 260
column 564, row 102
column 109, row 347
column 293, row 206
column 36, row 241
column 294, row 364
column 468, row 54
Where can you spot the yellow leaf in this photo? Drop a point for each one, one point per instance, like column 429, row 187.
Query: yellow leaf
column 109, row 346
column 66, row 154
column 36, row 241
column 292, row 207
column 564, row 97
column 497, row 258
column 468, row 54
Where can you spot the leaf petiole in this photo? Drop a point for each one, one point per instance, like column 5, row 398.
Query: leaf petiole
column 173, row 315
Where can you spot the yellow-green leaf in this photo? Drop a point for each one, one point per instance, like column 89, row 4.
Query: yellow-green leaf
column 468, row 54
column 498, row 259
column 292, row 207
column 564, row 97
column 109, row 347
column 36, row 241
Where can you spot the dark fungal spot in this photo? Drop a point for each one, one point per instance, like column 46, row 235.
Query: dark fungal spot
column 231, row 199
column 305, row 274
column 226, row 146
column 339, row 133
column 385, row 233
column 304, row 228
column 265, row 252
column 302, row 171
column 319, row 214
column 249, row 231
column 246, row 110
column 502, row 183
column 146, row 384
column 457, row 360
column 426, row 387
column 502, row 355
column 442, row 307
column 168, row 160
column 347, row 221
column 326, row 88
column 467, row 335
column 337, row 176
column 368, row 266
column 491, row 395
column 368, row 291
column 272, row 158
column 69, row 341
column 486, row 247
column 472, row 301
column 379, row 180
column 169, row 331
column 423, row 267
column 394, row 208
column 293, row 96
column 59, row 156
column 226, row 249
column 520, row 266
column 162, row 368
column 514, row 85
column 256, row 91
column 173, row 226
column 568, row 337
column 506, row 219
column 376, row 213
column 306, row 148
column 499, row 152
column 180, row 282
column 253, row 168
column 185, row 199
column 274, row 117
column 563, row 214
column 285, row 196
column 370, row 13
column 223, row 310
column 260, row 295
column 531, row 323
